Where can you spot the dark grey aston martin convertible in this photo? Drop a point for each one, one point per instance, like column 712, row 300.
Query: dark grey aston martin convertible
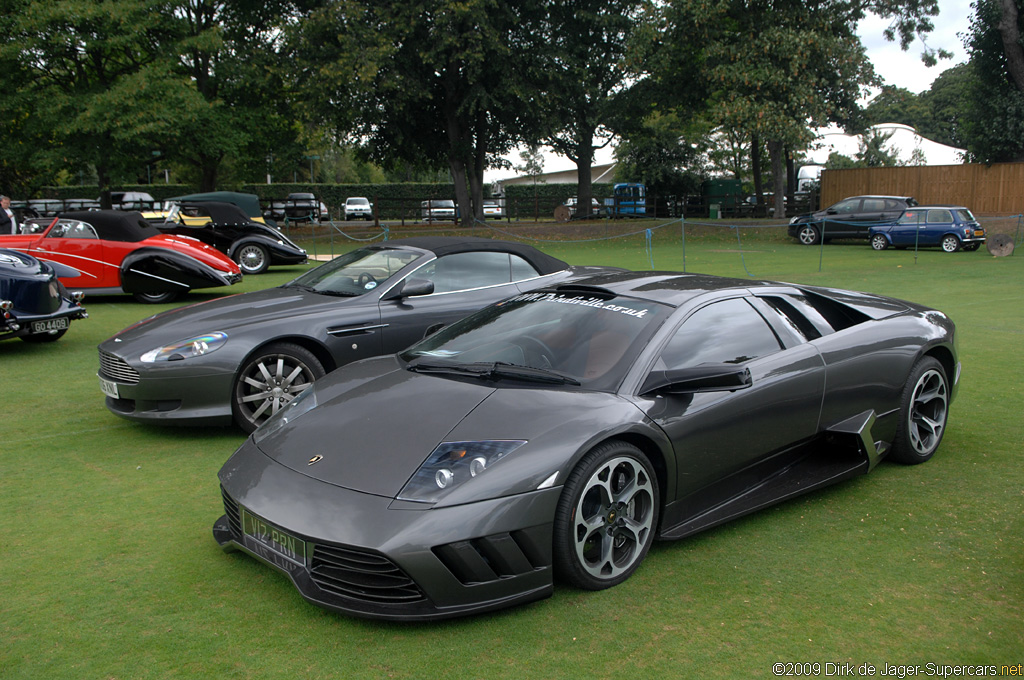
column 246, row 356
column 563, row 430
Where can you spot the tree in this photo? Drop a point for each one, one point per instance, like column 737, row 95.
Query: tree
column 425, row 82
column 590, row 74
column 993, row 127
column 97, row 80
column 667, row 155
column 777, row 68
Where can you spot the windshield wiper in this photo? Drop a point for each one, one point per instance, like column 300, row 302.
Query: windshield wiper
column 335, row 293
column 300, row 286
column 495, row 371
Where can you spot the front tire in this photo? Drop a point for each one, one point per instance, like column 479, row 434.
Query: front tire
column 924, row 408
column 879, row 242
column 270, row 379
column 808, row 235
column 950, row 243
column 252, row 259
column 606, row 517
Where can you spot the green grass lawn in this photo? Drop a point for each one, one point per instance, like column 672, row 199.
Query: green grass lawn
column 108, row 568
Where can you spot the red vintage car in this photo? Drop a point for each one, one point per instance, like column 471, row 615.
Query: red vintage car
column 120, row 252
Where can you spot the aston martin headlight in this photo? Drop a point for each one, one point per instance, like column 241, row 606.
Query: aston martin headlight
column 186, row 349
column 452, row 464
column 305, row 402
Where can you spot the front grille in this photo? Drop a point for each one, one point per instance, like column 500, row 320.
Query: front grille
column 234, row 517
column 361, row 575
column 117, row 369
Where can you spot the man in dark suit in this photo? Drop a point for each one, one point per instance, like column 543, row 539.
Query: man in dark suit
column 8, row 222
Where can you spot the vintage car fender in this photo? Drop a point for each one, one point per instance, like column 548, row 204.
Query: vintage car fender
column 159, row 270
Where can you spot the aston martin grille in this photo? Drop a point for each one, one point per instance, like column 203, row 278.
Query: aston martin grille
column 117, row 369
column 362, row 575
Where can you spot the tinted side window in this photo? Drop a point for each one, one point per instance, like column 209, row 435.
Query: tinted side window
column 462, row 271
column 729, row 332
column 848, row 206
column 874, row 205
column 935, row 216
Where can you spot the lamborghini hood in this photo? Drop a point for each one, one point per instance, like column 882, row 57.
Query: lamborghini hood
column 390, row 421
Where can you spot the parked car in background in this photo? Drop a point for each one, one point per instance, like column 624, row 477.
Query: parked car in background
column 437, row 210
column 302, row 207
column 560, row 432
column 849, row 218
column 243, row 358
column 34, row 305
column 129, row 200
column 255, row 246
column 494, row 208
column 120, row 252
column 358, row 208
column 951, row 227
column 571, row 204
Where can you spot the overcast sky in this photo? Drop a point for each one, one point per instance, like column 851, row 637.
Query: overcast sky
column 904, row 69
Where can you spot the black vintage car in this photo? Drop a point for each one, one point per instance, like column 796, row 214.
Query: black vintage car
column 253, row 245
column 34, row 305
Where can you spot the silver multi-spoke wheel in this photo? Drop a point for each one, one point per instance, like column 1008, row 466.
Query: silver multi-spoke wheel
column 950, row 243
column 808, row 235
column 923, row 413
column 928, row 412
column 879, row 242
column 607, row 517
column 271, row 379
column 252, row 258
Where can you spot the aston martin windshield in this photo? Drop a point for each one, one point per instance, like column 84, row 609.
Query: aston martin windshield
column 563, row 338
column 357, row 272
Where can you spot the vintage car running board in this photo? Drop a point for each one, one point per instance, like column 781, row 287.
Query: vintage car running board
column 846, row 451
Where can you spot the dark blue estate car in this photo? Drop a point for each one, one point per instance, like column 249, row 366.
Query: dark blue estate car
column 951, row 227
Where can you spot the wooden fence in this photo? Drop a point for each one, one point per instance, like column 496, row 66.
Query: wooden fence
column 987, row 190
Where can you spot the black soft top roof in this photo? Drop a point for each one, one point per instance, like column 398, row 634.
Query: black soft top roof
column 219, row 212
column 445, row 245
column 115, row 225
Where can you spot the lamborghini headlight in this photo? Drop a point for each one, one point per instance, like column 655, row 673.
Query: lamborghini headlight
column 452, row 464
column 186, row 349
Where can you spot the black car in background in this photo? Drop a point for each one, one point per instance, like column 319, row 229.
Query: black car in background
column 253, row 245
column 34, row 305
column 849, row 218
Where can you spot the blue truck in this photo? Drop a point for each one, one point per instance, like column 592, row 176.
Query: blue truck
column 628, row 199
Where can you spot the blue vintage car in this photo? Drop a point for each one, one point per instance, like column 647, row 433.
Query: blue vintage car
column 34, row 305
column 951, row 227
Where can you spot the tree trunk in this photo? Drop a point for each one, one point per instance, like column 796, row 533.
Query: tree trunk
column 776, row 151
column 755, row 165
column 1009, row 29
column 585, row 188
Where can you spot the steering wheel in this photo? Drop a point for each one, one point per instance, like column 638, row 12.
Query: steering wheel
column 365, row 278
column 544, row 353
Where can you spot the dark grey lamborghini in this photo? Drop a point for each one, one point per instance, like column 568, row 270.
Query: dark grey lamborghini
column 244, row 357
column 558, row 433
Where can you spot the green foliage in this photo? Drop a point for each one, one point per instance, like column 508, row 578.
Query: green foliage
column 665, row 155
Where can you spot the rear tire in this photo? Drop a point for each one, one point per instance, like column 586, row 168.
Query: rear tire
column 606, row 517
column 924, row 408
column 155, row 298
column 950, row 243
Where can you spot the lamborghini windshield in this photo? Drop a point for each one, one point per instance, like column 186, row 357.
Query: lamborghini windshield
column 357, row 272
column 566, row 338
